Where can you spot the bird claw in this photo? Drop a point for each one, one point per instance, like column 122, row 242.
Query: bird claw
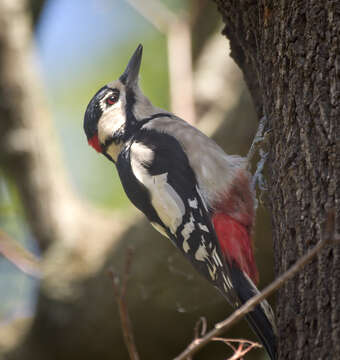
column 261, row 137
column 258, row 177
column 262, row 182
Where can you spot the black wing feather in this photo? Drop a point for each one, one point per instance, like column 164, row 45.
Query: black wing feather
column 170, row 158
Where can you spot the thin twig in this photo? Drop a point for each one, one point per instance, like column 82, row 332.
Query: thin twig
column 159, row 15
column 328, row 235
column 181, row 69
column 177, row 29
column 200, row 327
column 23, row 259
column 244, row 346
column 119, row 290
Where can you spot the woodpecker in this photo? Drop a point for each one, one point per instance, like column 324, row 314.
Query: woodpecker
column 191, row 191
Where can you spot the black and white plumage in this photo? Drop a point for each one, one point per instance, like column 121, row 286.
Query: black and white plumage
column 188, row 188
column 164, row 188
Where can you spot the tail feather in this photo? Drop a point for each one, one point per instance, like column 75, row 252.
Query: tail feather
column 261, row 318
column 264, row 331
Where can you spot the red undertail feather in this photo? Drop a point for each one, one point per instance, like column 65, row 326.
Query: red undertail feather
column 235, row 242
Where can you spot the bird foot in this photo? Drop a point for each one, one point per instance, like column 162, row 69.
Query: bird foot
column 258, row 177
column 260, row 138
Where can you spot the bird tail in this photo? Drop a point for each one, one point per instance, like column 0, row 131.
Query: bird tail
column 261, row 318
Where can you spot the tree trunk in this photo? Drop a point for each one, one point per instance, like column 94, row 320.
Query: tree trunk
column 289, row 54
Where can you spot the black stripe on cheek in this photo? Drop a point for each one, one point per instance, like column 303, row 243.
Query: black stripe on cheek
column 121, row 135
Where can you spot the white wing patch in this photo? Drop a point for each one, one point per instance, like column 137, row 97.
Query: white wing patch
column 203, row 255
column 203, row 227
column 189, row 227
column 227, row 283
column 217, row 258
column 193, row 203
column 165, row 200
column 167, row 203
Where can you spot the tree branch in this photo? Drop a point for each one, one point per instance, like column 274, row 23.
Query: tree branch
column 30, row 154
column 244, row 346
column 119, row 290
column 328, row 236
column 19, row 256
column 160, row 16
column 177, row 29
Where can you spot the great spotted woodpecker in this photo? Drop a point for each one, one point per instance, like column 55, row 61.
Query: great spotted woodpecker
column 189, row 189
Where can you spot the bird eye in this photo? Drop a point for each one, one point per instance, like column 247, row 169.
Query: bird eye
column 112, row 99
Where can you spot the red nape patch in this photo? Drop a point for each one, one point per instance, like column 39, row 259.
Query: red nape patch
column 94, row 142
column 236, row 244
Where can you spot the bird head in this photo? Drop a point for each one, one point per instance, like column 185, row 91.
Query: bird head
column 113, row 113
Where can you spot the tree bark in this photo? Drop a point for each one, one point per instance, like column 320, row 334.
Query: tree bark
column 289, row 53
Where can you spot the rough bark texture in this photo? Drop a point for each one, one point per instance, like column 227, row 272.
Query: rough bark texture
column 289, row 53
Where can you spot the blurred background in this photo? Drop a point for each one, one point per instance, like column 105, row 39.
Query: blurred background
column 57, row 301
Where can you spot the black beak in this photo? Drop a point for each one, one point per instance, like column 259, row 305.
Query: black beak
column 130, row 75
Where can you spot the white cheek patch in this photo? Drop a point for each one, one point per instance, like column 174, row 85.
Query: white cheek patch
column 165, row 200
column 112, row 119
column 113, row 116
